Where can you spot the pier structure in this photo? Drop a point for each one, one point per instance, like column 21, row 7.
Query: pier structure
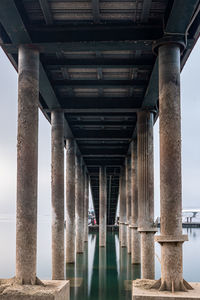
column 70, row 200
column 128, row 201
column 101, row 73
column 145, row 182
column 135, row 235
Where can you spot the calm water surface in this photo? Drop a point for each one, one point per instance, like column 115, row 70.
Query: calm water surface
column 98, row 273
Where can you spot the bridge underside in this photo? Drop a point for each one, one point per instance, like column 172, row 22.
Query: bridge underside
column 97, row 65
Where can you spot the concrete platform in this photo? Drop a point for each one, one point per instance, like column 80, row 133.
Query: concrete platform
column 52, row 290
column 141, row 290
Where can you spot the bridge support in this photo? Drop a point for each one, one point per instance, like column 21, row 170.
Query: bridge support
column 146, row 192
column 79, row 210
column 171, row 238
column 102, row 206
column 57, row 185
column 86, row 204
column 70, row 201
column 27, row 165
column 122, row 209
column 135, row 235
column 128, row 202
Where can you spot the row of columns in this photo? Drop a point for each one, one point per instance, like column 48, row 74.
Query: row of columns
column 141, row 219
column 171, row 238
column 137, row 198
column 77, row 181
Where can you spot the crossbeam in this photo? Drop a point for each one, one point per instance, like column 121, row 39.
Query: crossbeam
column 98, row 62
column 84, row 46
column 100, row 83
column 96, row 32
column 97, row 110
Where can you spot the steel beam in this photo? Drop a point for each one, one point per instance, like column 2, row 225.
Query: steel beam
column 46, row 11
column 84, row 46
column 98, row 62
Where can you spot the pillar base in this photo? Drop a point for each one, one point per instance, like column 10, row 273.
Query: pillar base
column 141, row 290
column 52, row 290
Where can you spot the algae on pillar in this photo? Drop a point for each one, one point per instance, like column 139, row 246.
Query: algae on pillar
column 57, row 193
column 70, row 200
column 122, row 209
column 128, row 202
column 171, row 238
column 145, row 178
column 102, row 206
column 135, row 235
column 79, row 206
column 27, row 165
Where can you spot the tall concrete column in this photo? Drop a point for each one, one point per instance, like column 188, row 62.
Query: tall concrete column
column 79, row 206
column 27, row 165
column 102, row 206
column 146, row 192
column 70, row 201
column 128, row 202
column 86, row 204
column 171, row 238
column 135, row 235
column 122, row 209
column 57, row 193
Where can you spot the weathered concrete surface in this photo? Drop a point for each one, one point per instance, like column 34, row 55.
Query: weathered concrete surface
column 128, row 202
column 86, row 204
column 171, row 238
column 79, row 206
column 102, row 206
column 122, row 209
column 57, row 193
column 145, row 179
column 70, row 201
column 52, row 290
column 135, row 235
column 141, row 290
column 27, row 165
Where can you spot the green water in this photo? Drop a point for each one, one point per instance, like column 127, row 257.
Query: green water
column 102, row 273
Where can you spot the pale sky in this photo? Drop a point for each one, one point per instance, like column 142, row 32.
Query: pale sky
column 8, row 128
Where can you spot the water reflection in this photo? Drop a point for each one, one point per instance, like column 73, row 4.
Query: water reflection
column 102, row 273
column 86, row 277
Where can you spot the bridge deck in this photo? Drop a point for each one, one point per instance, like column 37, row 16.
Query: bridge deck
column 97, row 64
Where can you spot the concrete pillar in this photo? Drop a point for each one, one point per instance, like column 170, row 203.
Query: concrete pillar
column 102, row 206
column 86, row 204
column 171, row 238
column 57, row 193
column 128, row 202
column 27, row 165
column 79, row 206
column 122, row 209
column 135, row 235
column 70, row 201
column 146, row 192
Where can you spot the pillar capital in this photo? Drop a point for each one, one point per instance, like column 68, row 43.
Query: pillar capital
column 175, row 39
column 171, row 238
